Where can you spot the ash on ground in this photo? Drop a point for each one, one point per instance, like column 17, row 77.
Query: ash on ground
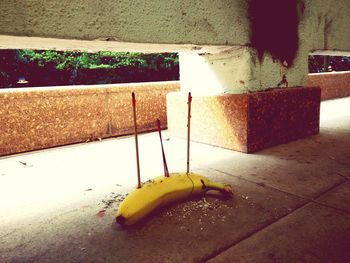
column 202, row 210
column 111, row 199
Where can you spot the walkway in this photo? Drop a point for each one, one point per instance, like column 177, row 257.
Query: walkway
column 291, row 202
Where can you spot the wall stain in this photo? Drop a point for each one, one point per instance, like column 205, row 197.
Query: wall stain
column 274, row 28
column 327, row 29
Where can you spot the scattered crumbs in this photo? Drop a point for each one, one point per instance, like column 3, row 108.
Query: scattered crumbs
column 111, row 199
column 101, row 213
column 202, row 210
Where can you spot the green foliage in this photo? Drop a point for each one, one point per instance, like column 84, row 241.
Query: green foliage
column 319, row 63
column 69, row 60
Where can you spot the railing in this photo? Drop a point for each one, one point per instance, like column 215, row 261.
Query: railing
column 37, row 118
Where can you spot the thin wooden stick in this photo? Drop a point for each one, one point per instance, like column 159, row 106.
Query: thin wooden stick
column 188, row 131
column 166, row 171
column 136, row 141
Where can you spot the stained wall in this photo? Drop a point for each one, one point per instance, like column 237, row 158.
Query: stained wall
column 270, row 41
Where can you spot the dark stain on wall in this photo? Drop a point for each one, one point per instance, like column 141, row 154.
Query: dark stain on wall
column 274, row 28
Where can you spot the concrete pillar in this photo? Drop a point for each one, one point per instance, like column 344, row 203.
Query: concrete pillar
column 238, row 70
column 244, row 103
column 247, row 122
column 244, row 61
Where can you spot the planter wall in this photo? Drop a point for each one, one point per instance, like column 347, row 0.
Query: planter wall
column 40, row 118
column 247, row 122
column 333, row 84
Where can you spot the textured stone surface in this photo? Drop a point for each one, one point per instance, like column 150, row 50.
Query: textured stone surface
column 282, row 115
column 212, row 119
column 247, row 122
column 333, row 84
column 46, row 117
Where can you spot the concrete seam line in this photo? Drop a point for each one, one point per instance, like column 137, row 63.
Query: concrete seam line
column 332, row 207
column 266, row 185
column 223, row 249
column 307, row 201
column 345, row 179
column 329, row 189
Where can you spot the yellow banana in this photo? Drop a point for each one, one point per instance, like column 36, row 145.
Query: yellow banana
column 164, row 190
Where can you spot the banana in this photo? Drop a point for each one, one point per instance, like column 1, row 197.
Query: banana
column 164, row 190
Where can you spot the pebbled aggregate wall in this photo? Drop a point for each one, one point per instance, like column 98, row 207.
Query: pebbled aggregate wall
column 247, row 122
column 333, row 84
column 39, row 118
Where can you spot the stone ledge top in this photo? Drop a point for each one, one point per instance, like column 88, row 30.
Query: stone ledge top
column 54, row 91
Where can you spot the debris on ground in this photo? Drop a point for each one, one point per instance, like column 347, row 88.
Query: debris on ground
column 101, row 213
column 92, row 139
column 25, row 165
column 202, row 209
column 261, row 184
column 89, row 189
column 111, row 199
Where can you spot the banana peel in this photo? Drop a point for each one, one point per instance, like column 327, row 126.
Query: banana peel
column 164, row 190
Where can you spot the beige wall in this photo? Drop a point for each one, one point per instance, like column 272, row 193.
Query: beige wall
column 323, row 25
column 45, row 117
column 206, row 22
column 215, row 30
column 139, row 21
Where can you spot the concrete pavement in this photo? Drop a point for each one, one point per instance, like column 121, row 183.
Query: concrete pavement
column 291, row 202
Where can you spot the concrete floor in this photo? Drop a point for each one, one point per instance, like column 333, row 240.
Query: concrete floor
column 291, row 202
